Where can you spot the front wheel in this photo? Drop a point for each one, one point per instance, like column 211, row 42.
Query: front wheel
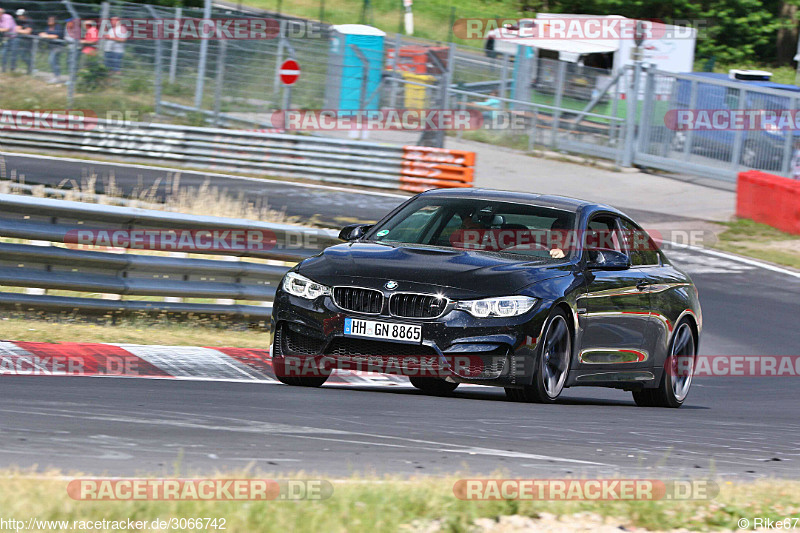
column 552, row 366
column 678, row 370
column 433, row 385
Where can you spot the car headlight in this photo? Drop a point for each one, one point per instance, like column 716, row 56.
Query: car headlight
column 497, row 307
column 303, row 287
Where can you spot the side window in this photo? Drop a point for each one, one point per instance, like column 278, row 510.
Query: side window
column 638, row 244
column 602, row 234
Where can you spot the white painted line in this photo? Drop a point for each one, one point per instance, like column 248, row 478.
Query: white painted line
column 214, row 174
column 732, row 257
column 444, row 447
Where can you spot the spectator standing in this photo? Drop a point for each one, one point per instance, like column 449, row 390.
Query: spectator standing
column 8, row 30
column 114, row 45
column 72, row 38
column 90, row 39
column 491, row 102
column 55, row 33
column 25, row 44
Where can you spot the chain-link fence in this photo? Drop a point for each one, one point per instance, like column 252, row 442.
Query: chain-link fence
column 688, row 124
column 527, row 100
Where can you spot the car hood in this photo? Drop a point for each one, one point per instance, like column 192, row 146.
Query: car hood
column 459, row 273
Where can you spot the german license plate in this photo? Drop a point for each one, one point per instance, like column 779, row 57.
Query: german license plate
column 371, row 329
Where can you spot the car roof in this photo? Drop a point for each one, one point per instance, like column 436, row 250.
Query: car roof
column 544, row 200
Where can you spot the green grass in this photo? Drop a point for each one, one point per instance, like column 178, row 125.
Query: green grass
column 760, row 241
column 431, row 17
column 135, row 330
column 376, row 505
column 23, row 92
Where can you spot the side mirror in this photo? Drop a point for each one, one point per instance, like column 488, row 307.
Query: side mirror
column 354, row 232
column 607, row 260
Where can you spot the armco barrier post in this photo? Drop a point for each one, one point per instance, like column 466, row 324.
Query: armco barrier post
column 157, row 65
column 276, row 82
column 223, row 47
column 560, row 82
column 632, row 97
column 201, row 64
column 173, row 60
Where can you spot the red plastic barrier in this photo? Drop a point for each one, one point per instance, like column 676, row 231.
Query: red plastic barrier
column 769, row 199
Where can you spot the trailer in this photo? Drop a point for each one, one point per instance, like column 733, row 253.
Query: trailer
column 604, row 44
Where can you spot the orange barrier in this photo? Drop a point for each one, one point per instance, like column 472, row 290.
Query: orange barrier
column 415, row 59
column 769, row 199
column 426, row 168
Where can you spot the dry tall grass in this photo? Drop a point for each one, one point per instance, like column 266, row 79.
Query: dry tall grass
column 167, row 195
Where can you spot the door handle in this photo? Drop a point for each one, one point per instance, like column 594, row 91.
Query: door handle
column 642, row 285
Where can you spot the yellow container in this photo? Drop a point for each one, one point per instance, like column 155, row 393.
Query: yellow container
column 415, row 96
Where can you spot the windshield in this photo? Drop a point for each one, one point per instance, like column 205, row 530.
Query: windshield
column 486, row 225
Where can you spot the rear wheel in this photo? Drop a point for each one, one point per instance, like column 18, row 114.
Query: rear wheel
column 433, row 385
column 677, row 377
column 552, row 366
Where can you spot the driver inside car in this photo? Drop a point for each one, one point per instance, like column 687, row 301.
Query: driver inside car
column 558, row 235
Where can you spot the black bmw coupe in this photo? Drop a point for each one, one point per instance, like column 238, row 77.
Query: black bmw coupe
column 528, row 292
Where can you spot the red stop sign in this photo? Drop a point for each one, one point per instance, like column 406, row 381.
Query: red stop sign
column 289, row 71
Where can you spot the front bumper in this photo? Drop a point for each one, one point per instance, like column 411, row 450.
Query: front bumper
column 455, row 346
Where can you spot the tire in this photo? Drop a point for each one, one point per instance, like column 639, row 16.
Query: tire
column 435, row 386
column 552, row 363
column 676, row 379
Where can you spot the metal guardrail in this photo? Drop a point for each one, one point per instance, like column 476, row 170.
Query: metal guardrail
column 45, row 267
column 299, row 156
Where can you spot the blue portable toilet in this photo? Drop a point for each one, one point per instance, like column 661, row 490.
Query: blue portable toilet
column 346, row 69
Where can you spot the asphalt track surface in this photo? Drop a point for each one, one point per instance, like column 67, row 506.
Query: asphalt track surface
column 738, row 427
